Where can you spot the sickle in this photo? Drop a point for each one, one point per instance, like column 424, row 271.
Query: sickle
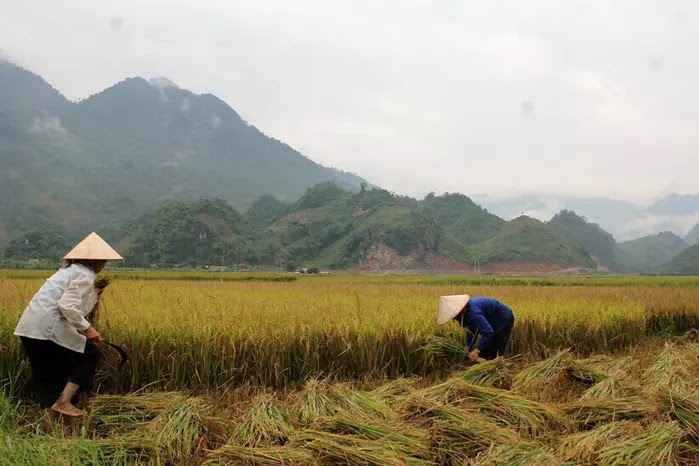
column 122, row 353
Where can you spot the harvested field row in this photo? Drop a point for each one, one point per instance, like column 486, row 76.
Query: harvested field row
column 500, row 412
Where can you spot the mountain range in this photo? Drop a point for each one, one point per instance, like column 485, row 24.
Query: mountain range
column 678, row 213
column 176, row 178
column 116, row 154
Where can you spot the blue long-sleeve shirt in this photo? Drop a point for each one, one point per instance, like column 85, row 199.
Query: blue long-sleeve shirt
column 485, row 317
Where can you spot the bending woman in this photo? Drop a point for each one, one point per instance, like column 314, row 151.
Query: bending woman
column 57, row 338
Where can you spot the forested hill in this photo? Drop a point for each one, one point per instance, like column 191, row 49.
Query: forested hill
column 67, row 166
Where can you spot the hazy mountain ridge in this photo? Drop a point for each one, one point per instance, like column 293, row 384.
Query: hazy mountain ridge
column 143, row 151
column 693, row 235
column 650, row 253
column 685, row 263
column 115, row 155
column 624, row 220
column 596, row 240
column 372, row 229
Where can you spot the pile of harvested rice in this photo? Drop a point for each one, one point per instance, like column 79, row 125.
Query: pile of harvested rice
column 617, row 413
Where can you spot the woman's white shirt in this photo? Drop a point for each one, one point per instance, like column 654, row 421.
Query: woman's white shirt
column 58, row 311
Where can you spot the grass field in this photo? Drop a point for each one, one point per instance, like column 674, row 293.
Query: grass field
column 216, row 342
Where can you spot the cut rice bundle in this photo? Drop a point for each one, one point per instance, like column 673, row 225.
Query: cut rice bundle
column 517, row 454
column 494, row 373
column 351, row 450
column 614, row 366
column 592, row 412
column 172, row 423
column 179, row 432
column 662, row 445
column 264, row 425
column 445, row 392
column 395, row 389
column 526, row 416
column 362, row 404
column 409, row 438
column 586, row 373
column 118, row 414
column 611, row 387
column 558, row 378
column 261, row 456
column 426, row 411
column 313, row 402
column 450, row 347
column 684, row 409
column 102, row 281
column 534, row 377
column 584, row 447
column 671, row 370
column 454, row 443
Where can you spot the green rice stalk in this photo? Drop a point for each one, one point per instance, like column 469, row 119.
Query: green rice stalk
column 584, row 447
column 518, row 454
column 454, row 443
column 9, row 413
column 352, row 450
column 662, row 445
column 260, row 456
column 264, row 425
column 592, row 411
column 36, row 450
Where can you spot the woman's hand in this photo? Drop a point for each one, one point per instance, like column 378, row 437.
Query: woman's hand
column 473, row 355
column 93, row 335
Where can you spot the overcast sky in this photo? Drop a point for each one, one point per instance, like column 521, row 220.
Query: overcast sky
column 578, row 98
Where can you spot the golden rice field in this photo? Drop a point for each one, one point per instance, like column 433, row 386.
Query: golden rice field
column 352, row 370
column 194, row 334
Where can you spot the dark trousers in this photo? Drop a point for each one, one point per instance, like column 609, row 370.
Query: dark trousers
column 53, row 366
column 498, row 345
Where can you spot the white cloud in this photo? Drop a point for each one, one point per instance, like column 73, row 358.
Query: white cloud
column 678, row 224
column 215, row 121
column 184, row 105
column 47, row 125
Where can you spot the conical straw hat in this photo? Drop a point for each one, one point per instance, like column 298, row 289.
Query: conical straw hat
column 93, row 248
column 450, row 306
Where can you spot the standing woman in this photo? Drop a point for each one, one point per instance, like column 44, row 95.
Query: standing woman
column 59, row 341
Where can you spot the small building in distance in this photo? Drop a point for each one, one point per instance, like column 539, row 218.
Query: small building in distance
column 215, row 268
